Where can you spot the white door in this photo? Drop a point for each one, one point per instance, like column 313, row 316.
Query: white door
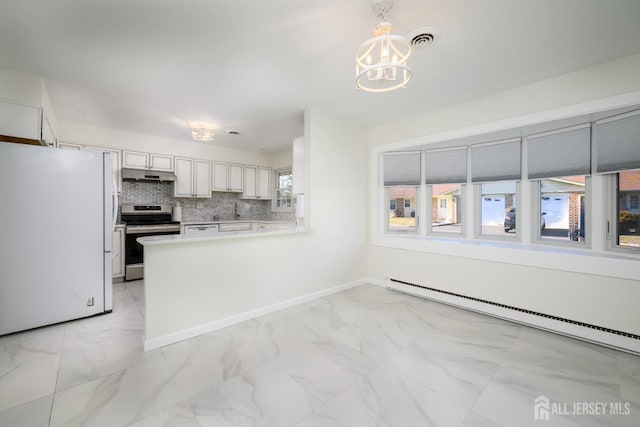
column 235, row 177
column 183, row 187
column 220, row 175
column 202, row 178
column 443, row 209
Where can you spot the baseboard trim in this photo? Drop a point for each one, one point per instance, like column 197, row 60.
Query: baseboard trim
column 595, row 336
column 184, row 334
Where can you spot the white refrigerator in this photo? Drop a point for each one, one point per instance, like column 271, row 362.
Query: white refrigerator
column 57, row 213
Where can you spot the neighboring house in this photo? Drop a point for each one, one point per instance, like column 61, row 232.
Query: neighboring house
column 446, row 203
column 629, row 192
column 402, row 201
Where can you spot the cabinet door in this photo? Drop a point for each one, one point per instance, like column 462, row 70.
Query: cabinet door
column 161, row 162
column 20, row 121
column 48, row 138
column 264, row 183
column 202, row 178
column 118, row 256
column 135, row 160
column 235, row 177
column 220, row 177
column 250, row 182
column 183, row 187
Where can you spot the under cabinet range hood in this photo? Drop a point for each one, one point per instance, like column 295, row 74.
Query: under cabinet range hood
column 147, row 175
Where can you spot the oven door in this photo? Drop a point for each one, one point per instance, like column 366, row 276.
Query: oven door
column 133, row 251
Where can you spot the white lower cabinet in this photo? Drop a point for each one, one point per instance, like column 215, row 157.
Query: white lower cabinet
column 118, row 255
column 193, row 178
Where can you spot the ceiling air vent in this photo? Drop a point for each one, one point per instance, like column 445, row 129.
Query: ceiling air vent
column 422, row 37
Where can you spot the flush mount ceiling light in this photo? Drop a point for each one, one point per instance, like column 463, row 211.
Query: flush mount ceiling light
column 202, row 134
column 381, row 62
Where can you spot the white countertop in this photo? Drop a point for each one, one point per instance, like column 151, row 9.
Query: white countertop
column 177, row 239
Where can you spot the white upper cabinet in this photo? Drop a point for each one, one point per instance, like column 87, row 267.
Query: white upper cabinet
column 193, row 178
column 227, row 177
column 161, row 162
column 264, row 183
column 257, row 182
column 220, row 177
column 140, row 160
column 202, row 178
column 26, row 114
column 235, row 177
column 135, row 160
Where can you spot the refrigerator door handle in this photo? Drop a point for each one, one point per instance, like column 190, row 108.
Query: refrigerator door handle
column 114, row 203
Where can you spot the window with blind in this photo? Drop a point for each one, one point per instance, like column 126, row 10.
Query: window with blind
column 402, row 174
column 496, row 169
column 559, row 162
column 618, row 154
column 446, row 176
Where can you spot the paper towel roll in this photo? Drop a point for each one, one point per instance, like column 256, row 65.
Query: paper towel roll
column 177, row 214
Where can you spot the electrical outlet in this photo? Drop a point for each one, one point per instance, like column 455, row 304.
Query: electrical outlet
column 90, row 302
column 199, row 205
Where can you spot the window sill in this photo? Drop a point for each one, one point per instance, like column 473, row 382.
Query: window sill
column 576, row 260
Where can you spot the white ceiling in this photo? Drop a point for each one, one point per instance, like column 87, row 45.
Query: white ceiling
column 150, row 66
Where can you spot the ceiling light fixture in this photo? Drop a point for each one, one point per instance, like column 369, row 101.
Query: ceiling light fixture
column 202, row 134
column 381, row 62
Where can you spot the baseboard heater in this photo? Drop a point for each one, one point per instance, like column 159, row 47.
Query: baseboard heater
column 598, row 334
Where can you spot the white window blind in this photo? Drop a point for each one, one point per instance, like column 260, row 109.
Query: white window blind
column 563, row 152
column 496, row 161
column 401, row 168
column 448, row 166
column 618, row 143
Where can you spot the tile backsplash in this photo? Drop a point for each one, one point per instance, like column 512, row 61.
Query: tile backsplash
column 221, row 205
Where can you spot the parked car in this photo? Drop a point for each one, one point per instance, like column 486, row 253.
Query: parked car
column 510, row 221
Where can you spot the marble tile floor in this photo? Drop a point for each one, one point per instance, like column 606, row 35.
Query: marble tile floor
column 366, row 356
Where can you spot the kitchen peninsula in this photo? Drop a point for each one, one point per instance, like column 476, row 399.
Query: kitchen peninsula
column 194, row 285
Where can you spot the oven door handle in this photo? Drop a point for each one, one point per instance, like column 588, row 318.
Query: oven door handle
column 139, row 229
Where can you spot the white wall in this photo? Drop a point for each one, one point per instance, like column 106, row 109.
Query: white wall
column 20, row 88
column 104, row 137
column 592, row 298
column 194, row 284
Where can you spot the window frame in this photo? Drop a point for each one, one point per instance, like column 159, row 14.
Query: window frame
column 612, row 200
column 478, row 214
column 432, row 231
column 277, row 189
column 536, row 237
column 387, row 216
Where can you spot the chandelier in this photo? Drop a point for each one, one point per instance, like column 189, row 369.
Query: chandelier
column 202, row 134
column 381, row 62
